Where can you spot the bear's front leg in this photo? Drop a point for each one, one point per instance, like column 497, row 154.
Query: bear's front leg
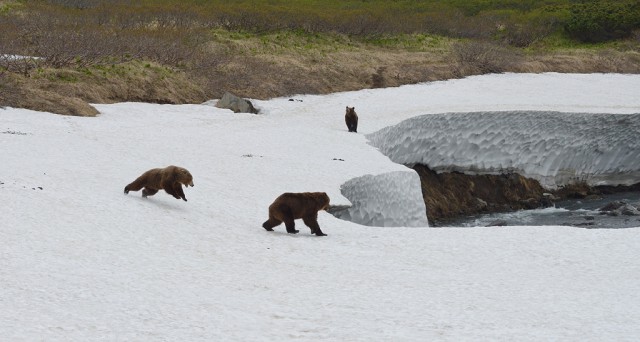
column 168, row 187
column 178, row 190
column 312, row 222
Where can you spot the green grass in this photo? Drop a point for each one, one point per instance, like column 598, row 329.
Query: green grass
column 380, row 22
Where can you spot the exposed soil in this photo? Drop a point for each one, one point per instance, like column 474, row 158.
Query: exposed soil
column 450, row 195
column 264, row 76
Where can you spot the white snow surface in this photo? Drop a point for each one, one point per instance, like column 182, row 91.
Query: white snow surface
column 551, row 147
column 81, row 261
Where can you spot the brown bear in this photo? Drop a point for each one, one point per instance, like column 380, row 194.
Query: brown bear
column 351, row 118
column 290, row 206
column 169, row 178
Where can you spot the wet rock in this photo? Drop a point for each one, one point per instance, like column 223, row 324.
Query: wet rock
column 498, row 223
column 619, row 208
column 613, row 206
column 629, row 210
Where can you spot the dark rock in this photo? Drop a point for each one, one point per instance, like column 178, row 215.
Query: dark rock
column 449, row 195
column 337, row 209
column 629, row 210
column 613, row 206
column 498, row 223
column 618, row 208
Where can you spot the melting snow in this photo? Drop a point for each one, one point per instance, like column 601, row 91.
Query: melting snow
column 554, row 148
column 81, row 261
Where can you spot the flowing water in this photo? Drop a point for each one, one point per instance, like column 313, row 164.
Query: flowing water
column 577, row 213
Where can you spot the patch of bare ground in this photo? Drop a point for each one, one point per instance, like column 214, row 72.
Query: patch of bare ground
column 71, row 91
column 583, row 61
column 267, row 76
column 263, row 70
column 451, row 195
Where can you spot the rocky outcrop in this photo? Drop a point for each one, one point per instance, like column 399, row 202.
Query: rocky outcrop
column 453, row 194
column 236, row 104
column 450, row 195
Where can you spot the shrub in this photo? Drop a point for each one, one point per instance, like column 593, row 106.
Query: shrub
column 599, row 21
column 481, row 58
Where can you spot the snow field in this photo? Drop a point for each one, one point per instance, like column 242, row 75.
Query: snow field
column 81, row 261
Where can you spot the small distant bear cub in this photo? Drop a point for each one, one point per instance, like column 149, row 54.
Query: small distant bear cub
column 169, row 178
column 351, row 118
column 291, row 206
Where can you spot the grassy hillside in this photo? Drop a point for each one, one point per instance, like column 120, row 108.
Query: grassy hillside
column 263, row 49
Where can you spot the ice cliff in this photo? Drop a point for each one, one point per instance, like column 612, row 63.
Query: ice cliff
column 391, row 199
column 553, row 147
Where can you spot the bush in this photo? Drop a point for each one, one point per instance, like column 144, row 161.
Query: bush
column 599, row 21
column 482, row 58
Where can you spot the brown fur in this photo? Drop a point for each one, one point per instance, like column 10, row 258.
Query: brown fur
column 291, row 206
column 351, row 118
column 169, row 178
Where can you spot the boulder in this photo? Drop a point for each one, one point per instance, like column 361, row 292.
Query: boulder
column 498, row 223
column 236, row 104
column 613, row 206
column 629, row 210
column 618, row 208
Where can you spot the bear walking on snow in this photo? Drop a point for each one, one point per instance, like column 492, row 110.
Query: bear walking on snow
column 169, row 178
column 291, row 206
column 351, row 118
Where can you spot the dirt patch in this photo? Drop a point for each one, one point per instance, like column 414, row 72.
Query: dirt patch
column 451, row 195
column 266, row 74
column 70, row 91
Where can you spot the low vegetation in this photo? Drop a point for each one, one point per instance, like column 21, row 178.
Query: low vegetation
column 74, row 52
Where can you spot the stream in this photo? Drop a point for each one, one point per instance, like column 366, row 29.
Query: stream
column 583, row 213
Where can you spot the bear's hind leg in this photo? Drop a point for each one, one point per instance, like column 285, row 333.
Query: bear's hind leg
column 291, row 225
column 288, row 219
column 148, row 192
column 270, row 223
column 134, row 186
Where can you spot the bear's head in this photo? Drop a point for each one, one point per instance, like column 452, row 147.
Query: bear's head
column 184, row 176
column 351, row 110
column 323, row 200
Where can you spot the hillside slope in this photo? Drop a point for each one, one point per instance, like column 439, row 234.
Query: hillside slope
column 82, row 261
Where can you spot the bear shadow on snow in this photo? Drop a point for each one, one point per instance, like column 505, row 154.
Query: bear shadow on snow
column 291, row 206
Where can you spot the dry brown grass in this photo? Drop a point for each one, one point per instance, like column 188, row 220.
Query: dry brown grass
column 268, row 68
column 582, row 61
column 70, row 91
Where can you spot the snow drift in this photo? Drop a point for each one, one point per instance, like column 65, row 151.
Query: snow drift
column 552, row 147
column 81, row 261
column 388, row 200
